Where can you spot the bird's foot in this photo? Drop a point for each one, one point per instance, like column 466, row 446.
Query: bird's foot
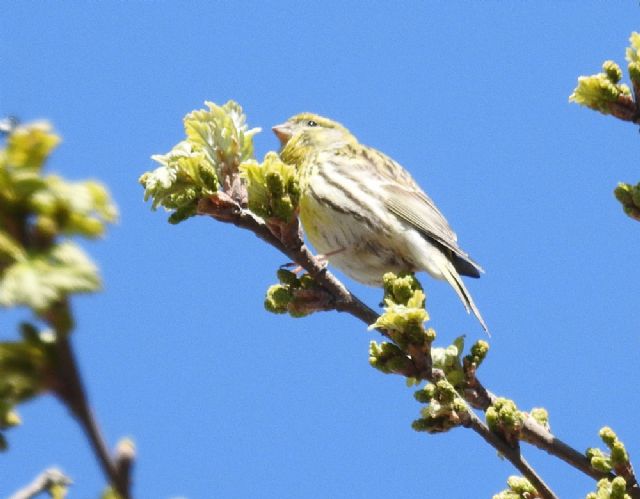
column 321, row 260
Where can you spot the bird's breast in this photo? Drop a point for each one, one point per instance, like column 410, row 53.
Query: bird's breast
column 348, row 222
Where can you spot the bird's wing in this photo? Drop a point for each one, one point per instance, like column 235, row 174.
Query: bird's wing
column 406, row 200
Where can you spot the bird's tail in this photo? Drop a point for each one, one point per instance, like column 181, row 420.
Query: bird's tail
column 453, row 278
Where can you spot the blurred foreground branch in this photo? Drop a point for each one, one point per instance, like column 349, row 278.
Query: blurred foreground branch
column 41, row 268
column 52, row 481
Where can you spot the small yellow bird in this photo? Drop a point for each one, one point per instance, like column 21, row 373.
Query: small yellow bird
column 365, row 213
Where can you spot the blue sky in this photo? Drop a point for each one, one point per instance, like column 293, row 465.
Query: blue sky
column 226, row 400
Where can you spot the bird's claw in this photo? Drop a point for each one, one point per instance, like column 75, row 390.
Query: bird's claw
column 321, row 260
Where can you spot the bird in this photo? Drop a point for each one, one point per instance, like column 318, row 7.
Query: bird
column 365, row 214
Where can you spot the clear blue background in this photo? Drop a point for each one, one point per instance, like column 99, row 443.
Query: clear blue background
column 226, row 400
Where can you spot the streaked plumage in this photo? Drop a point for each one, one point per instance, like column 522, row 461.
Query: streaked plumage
column 365, row 212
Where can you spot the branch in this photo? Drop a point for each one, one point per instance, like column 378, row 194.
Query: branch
column 70, row 389
column 535, row 434
column 124, row 459
column 625, row 109
column 224, row 209
column 288, row 239
column 42, row 483
column 511, row 454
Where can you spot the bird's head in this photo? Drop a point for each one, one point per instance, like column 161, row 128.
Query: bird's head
column 309, row 130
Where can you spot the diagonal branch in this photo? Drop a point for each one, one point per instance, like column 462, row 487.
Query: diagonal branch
column 536, row 434
column 288, row 239
column 224, row 209
column 512, row 454
column 70, row 389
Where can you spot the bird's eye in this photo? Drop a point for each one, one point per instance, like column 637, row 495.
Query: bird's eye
column 311, row 123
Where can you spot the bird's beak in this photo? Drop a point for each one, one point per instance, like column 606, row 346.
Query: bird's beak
column 283, row 132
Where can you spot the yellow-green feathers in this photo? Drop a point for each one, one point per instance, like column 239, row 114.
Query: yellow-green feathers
column 307, row 133
column 364, row 211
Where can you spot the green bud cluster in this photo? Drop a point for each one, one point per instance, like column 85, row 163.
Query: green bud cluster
column 445, row 409
column 217, row 142
column 617, row 459
column 619, row 456
column 277, row 299
column 612, row 70
column 388, row 358
column 633, row 58
column 504, row 417
column 610, row 489
column 37, row 267
column 297, row 296
column 478, row 352
column 634, row 72
column 58, row 207
column 272, row 187
column 58, row 489
column 518, row 488
column 404, row 313
column 110, row 493
column 403, row 321
column 632, row 53
column 599, row 460
column 8, row 418
column 541, row 415
column 629, row 197
column 449, row 361
column 400, row 288
column 23, row 373
column 599, row 91
column 28, row 146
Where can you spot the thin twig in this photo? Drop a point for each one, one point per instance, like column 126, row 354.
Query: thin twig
column 624, row 108
column 124, row 459
column 536, row 434
column 70, row 389
column 513, row 455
